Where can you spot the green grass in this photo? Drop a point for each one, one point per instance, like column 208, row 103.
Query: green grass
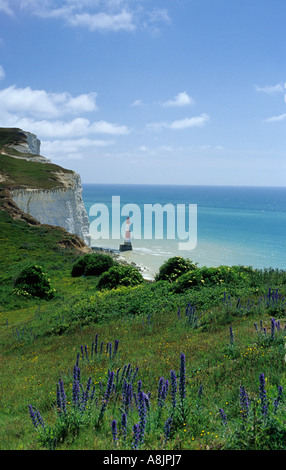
column 40, row 341
column 11, row 135
column 21, row 172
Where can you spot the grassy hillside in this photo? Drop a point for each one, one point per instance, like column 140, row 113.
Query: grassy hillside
column 223, row 391
column 23, row 172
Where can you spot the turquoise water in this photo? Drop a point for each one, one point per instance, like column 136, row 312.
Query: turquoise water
column 235, row 225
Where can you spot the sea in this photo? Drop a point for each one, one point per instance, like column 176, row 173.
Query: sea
column 233, row 225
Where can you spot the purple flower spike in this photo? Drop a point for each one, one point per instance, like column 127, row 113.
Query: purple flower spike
column 182, row 377
column 114, row 431
column 263, row 396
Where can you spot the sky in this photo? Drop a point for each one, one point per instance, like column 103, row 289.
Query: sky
column 149, row 91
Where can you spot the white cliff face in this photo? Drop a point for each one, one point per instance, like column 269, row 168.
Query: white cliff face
column 62, row 207
column 31, row 146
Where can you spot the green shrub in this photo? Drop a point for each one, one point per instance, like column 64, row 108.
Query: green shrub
column 174, row 268
column 34, row 282
column 213, row 276
column 120, row 275
column 92, row 264
column 79, row 266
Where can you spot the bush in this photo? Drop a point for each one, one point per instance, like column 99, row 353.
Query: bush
column 214, row 276
column 174, row 268
column 120, row 276
column 32, row 281
column 92, row 265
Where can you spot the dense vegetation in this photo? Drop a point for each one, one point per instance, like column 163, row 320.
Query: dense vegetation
column 191, row 361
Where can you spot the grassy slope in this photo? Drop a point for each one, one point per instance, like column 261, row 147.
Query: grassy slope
column 30, row 368
column 22, row 172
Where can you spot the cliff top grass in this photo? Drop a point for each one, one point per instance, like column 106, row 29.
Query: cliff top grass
column 16, row 171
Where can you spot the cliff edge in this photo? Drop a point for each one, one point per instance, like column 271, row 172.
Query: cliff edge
column 36, row 190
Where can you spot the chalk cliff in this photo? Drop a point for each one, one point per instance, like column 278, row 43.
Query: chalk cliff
column 47, row 192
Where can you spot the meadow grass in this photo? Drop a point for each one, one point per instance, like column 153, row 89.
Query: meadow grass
column 65, row 386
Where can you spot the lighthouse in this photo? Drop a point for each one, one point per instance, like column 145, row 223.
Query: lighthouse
column 127, row 240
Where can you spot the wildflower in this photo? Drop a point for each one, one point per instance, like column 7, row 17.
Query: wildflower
column 244, row 403
column 109, row 350
column 142, row 415
column 61, row 397
column 182, row 377
column 276, row 402
column 75, row 393
column 231, row 335
column 167, row 428
column 36, row 417
column 127, row 393
column 85, row 395
column 173, row 388
column 116, row 343
column 114, row 431
column 124, row 425
column 223, row 416
column 163, row 388
column 273, row 328
column 135, row 436
column 262, row 394
column 106, row 395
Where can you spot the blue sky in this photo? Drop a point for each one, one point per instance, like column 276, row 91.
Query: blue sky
column 150, row 91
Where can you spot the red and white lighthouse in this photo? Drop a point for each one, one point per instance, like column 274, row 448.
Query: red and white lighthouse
column 127, row 240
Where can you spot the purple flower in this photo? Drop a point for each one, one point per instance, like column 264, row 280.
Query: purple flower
column 116, row 343
column 142, row 415
column 263, row 396
column 135, row 436
column 276, row 402
column 167, row 428
column 127, row 394
column 124, row 425
column 36, row 417
column 173, row 388
column 75, row 393
column 244, row 403
column 114, row 431
column 163, row 388
column 182, row 378
column 231, row 335
column 61, row 397
column 272, row 328
column 106, row 395
column 223, row 416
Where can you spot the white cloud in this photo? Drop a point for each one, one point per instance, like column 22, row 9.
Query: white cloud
column 271, row 90
column 137, row 103
column 196, row 121
column 279, row 118
column 6, row 8
column 2, row 72
column 103, row 127
column 41, row 103
column 182, row 99
column 56, row 129
column 71, row 148
column 95, row 15
column 104, row 21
